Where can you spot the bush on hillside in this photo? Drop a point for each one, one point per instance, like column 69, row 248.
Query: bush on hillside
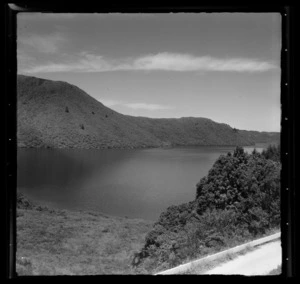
column 238, row 200
column 248, row 184
column 272, row 153
column 23, row 202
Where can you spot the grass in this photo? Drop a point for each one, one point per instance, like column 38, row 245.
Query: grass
column 206, row 251
column 210, row 264
column 61, row 242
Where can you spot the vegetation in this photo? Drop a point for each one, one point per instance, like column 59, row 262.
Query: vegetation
column 61, row 242
column 272, row 153
column 45, row 121
column 211, row 264
column 238, row 201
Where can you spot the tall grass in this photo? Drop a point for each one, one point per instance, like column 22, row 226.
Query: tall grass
column 61, row 242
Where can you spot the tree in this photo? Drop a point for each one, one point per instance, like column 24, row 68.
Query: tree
column 238, row 199
column 272, row 153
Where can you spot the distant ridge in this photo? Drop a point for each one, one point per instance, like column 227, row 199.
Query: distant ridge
column 55, row 114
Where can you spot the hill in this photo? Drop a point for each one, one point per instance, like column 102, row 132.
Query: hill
column 55, row 114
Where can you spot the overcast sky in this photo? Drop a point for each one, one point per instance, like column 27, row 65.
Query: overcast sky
column 223, row 66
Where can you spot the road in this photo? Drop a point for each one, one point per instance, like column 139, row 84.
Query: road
column 257, row 262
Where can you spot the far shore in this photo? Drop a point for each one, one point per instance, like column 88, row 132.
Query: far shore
column 262, row 145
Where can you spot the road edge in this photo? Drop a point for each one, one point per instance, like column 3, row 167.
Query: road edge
column 183, row 268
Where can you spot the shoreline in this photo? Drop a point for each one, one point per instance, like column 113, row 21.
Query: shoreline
column 44, row 206
column 259, row 145
column 66, row 242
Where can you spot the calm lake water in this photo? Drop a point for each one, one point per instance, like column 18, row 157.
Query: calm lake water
column 132, row 183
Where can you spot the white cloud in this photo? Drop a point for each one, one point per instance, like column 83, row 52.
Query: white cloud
column 144, row 106
column 109, row 103
column 147, row 106
column 87, row 62
column 185, row 62
column 43, row 43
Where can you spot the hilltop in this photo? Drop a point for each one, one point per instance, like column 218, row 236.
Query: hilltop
column 56, row 114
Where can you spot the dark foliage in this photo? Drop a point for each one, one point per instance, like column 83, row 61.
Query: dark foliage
column 247, row 184
column 272, row 153
column 238, row 200
column 23, row 202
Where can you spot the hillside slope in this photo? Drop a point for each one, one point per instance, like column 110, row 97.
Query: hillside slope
column 57, row 114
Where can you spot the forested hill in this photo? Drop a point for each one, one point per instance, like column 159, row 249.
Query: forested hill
column 55, row 114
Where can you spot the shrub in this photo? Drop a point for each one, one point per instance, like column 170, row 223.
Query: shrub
column 23, row 202
column 238, row 199
column 272, row 153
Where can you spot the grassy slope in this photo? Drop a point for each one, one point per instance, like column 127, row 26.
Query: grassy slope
column 44, row 122
column 61, row 242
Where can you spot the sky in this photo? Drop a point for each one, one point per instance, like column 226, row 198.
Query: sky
column 222, row 66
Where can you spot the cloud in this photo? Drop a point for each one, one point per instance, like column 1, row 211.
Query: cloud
column 38, row 16
column 109, row 102
column 147, row 106
column 43, row 43
column 87, row 62
column 144, row 106
column 25, row 61
column 185, row 62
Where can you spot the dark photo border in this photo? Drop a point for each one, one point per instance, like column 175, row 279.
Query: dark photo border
column 288, row 106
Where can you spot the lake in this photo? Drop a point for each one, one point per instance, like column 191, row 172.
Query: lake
column 132, row 183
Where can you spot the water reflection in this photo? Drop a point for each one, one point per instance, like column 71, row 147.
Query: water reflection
column 133, row 183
